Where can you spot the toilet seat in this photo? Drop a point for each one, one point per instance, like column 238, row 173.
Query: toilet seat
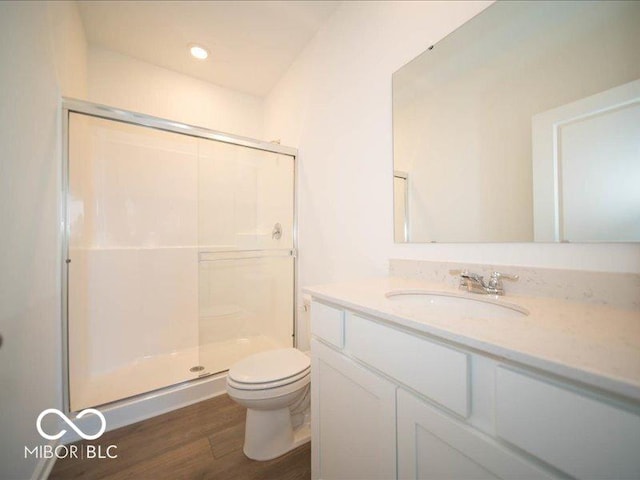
column 267, row 385
column 270, row 369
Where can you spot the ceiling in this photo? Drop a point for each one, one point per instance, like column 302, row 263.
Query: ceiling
column 251, row 43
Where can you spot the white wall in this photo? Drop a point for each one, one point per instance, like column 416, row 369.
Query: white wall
column 125, row 82
column 32, row 77
column 69, row 48
column 334, row 104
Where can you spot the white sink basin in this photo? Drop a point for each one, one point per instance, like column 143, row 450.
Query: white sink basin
column 449, row 304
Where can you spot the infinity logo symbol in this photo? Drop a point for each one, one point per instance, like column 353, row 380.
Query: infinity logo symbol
column 71, row 424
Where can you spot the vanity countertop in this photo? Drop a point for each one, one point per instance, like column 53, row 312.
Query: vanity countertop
column 597, row 345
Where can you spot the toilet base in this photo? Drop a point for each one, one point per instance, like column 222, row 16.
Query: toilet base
column 270, row 434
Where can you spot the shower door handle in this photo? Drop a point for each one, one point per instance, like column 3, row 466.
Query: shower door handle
column 276, row 233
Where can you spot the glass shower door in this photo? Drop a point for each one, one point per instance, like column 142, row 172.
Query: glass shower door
column 180, row 257
column 133, row 276
column 246, row 262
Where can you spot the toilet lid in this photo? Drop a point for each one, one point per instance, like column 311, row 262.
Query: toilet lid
column 270, row 366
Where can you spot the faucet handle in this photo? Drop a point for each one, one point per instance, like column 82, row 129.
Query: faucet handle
column 495, row 282
column 506, row 276
column 472, row 276
column 472, row 282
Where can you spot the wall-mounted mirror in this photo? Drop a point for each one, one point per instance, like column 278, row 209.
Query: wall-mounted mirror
column 522, row 125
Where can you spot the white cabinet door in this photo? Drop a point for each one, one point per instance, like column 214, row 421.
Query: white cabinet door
column 432, row 445
column 353, row 419
column 582, row 436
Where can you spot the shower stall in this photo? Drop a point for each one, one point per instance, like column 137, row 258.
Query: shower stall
column 179, row 252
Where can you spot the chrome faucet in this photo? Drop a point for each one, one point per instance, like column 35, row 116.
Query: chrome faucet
column 472, row 282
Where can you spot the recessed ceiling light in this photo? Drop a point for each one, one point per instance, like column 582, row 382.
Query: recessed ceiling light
column 198, row 52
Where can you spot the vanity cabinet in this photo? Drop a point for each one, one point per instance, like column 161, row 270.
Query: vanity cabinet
column 388, row 402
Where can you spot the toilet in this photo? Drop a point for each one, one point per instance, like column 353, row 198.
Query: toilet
column 274, row 387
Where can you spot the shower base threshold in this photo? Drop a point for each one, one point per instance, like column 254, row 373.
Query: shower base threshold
column 156, row 372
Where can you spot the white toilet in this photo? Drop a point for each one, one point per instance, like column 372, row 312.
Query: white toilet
column 274, row 387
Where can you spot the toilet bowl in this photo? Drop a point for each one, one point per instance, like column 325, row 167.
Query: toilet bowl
column 274, row 387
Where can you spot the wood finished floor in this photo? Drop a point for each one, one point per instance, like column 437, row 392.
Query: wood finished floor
column 201, row 441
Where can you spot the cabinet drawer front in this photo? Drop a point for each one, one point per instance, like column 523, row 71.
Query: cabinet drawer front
column 579, row 435
column 327, row 323
column 437, row 372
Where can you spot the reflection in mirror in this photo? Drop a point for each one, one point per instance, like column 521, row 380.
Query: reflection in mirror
column 522, row 125
column 400, row 204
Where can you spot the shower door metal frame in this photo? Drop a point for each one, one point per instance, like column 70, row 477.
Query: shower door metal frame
column 71, row 105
